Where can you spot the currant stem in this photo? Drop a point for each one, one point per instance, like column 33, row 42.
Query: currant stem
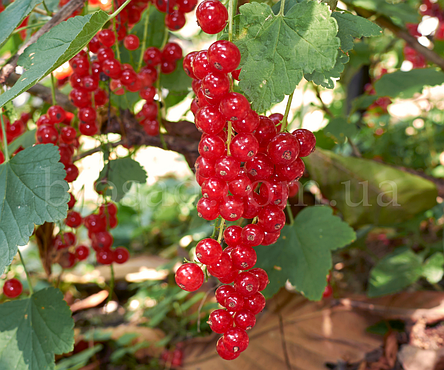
column 5, row 140
column 230, row 20
column 287, row 111
column 116, row 13
column 48, row 12
column 221, row 230
column 31, row 291
column 281, row 10
column 229, row 134
column 160, row 112
column 35, row 25
column 290, row 214
column 116, row 34
column 145, row 34
column 53, row 90
column 111, row 284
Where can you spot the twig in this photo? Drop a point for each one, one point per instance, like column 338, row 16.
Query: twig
column 284, row 342
column 59, row 17
column 385, row 22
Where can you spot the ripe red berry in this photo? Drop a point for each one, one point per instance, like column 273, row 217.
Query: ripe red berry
column 283, row 149
column 252, row 235
column 151, row 126
column 73, row 219
column 223, row 292
column 214, row 188
column 260, row 168
column 232, row 235
column 188, row 64
column 210, row 120
column 186, row 6
column 274, row 193
column 255, row 303
column 201, row 66
column 244, row 147
column 290, row 172
column 307, row 141
column 211, row 147
column 234, row 106
column 175, row 20
column 68, row 134
column 56, row 114
column 189, row 277
column 107, row 37
column 231, row 208
column 208, row 209
column 208, row 251
column 262, row 277
column 246, row 284
column 47, row 134
column 72, row 172
column 205, row 167
column 271, row 219
column 82, row 252
column 224, row 56
column 211, row 16
column 12, row 288
column 271, row 238
column 225, row 353
column 222, row 267
column 172, row 52
column 121, row 255
column 94, row 223
column 131, row 42
column 241, row 186
column 227, row 168
column 236, row 340
column 105, row 257
column 247, row 124
column 265, row 131
column 72, row 201
column 102, row 240
column 243, row 257
column 234, row 302
column 220, row 321
column 244, row 319
column 328, row 291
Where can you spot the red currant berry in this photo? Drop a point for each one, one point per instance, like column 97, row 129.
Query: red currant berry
column 214, row 188
column 56, row 114
column 151, row 126
column 255, row 303
column 291, row 172
column 211, row 16
column 201, row 66
column 236, row 74
column 274, row 193
column 72, row 201
column 88, row 115
column 102, row 240
column 189, row 277
column 210, row 120
column 271, row 238
column 225, row 353
column 231, row 208
column 186, row 6
column 94, row 223
column 265, row 131
column 205, row 167
column 246, row 284
column 73, row 219
column 131, row 42
column 47, row 134
column 175, row 20
column 241, row 186
column 68, row 134
column 105, row 257
column 107, row 38
column 236, row 340
column 215, row 85
column 72, row 172
column 247, row 124
column 234, row 106
column 260, row 168
column 227, row 168
column 222, row 267
column 105, row 54
column 277, row 118
column 112, row 68
column 208, row 209
column 262, row 277
column 80, row 98
column 234, row 302
column 88, row 129
column 223, row 292
column 82, row 252
column 188, row 64
column 307, row 141
column 172, row 52
column 120, row 255
column 245, row 320
column 244, row 147
column 283, row 149
column 232, row 235
column 271, row 219
column 12, row 288
column 224, row 56
column 252, row 235
column 220, row 321
column 208, row 251
column 211, row 147
column 243, row 257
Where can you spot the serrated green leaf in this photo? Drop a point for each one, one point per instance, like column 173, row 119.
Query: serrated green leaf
column 117, row 176
column 13, row 15
column 26, row 140
column 339, row 128
column 32, row 191
column 302, row 254
column 367, row 192
column 353, row 26
column 349, row 27
column 406, row 84
column 53, row 49
column 278, row 49
column 433, row 269
column 403, row 10
column 395, row 272
column 34, row 329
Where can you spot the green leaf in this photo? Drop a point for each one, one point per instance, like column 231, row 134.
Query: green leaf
column 26, row 140
column 125, row 101
column 34, row 329
column 302, row 253
column 32, row 191
column 117, row 176
column 406, row 84
column 176, row 81
column 13, row 15
column 339, row 128
column 278, row 49
column 53, row 49
column 175, row 97
column 352, row 26
column 403, row 11
column 434, row 268
column 369, row 192
column 78, row 360
column 349, row 27
column 395, row 272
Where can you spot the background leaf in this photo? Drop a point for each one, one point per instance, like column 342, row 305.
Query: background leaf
column 302, row 254
column 118, row 175
column 406, row 84
column 32, row 191
column 369, row 192
column 434, row 268
column 53, row 49
column 13, row 15
column 400, row 10
column 26, row 140
column 32, row 330
column 394, row 272
column 339, row 128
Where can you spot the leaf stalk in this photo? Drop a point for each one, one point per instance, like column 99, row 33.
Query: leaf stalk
column 287, row 111
column 53, row 89
column 116, row 13
column 31, row 290
column 5, row 141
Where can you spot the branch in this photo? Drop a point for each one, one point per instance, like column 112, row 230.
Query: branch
column 44, row 93
column 385, row 22
column 59, row 17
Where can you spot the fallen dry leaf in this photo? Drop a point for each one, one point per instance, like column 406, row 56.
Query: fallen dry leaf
column 414, row 358
column 92, row 301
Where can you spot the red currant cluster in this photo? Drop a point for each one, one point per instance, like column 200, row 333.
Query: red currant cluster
column 175, row 9
column 98, row 226
column 13, row 131
column 12, row 288
column 245, row 166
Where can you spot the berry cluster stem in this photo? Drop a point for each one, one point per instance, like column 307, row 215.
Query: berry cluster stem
column 229, row 134
column 290, row 214
column 48, row 12
column 221, row 230
column 145, row 34
column 31, row 291
column 111, row 284
column 287, row 111
column 5, row 141
column 53, row 89
column 116, row 13
column 230, row 20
